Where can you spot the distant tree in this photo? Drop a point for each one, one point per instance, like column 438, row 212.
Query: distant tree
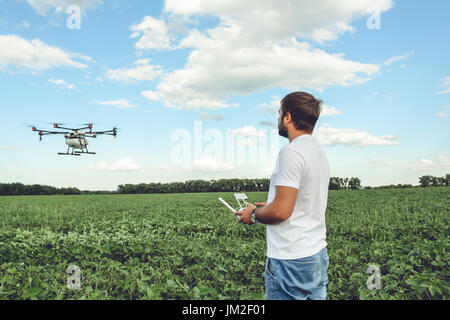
column 447, row 180
column 425, row 181
column 354, row 183
column 335, row 183
column 436, row 181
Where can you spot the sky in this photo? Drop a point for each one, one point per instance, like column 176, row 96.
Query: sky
column 195, row 87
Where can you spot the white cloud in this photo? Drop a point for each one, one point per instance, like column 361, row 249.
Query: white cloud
column 25, row 24
column 267, row 169
column 269, row 124
column 125, row 164
column 244, row 142
column 42, row 6
column 206, row 116
column 153, row 34
column 35, row 55
column 329, row 111
column 390, row 96
column 151, row 95
column 272, row 107
column 396, row 58
column 120, row 103
column 445, row 85
column 60, row 83
column 383, row 162
column 244, row 54
column 142, row 72
column 445, row 112
column 208, row 164
column 247, row 131
column 329, row 136
column 224, row 64
column 426, row 164
column 319, row 20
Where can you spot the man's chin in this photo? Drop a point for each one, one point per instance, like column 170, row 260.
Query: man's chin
column 282, row 133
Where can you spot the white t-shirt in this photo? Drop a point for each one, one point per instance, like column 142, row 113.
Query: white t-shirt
column 301, row 164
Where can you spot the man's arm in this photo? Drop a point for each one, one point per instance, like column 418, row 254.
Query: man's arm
column 279, row 210
column 290, row 172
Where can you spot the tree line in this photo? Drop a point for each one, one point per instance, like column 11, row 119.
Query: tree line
column 17, row 189
column 337, row 183
column 426, row 181
column 222, row 185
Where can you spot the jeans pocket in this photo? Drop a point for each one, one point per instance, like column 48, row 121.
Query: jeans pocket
column 269, row 268
column 270, row 281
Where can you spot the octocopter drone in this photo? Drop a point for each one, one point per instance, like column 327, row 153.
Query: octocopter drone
column 76, row 138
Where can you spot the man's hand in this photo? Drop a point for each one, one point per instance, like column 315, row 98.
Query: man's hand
column 280, row 209
column 245, row 214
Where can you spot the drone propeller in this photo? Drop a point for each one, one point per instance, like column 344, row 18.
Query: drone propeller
column 57, row 124
column 33, row 127
column 114, row 131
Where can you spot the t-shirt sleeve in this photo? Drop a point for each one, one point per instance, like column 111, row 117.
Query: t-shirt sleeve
column 290, row 169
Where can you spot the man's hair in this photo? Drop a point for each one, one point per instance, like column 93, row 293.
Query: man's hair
column 304, row 109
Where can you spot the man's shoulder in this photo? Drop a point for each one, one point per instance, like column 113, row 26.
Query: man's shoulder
column 290, row 148
column 300, row 146
column 303, row 149
column 306, row 144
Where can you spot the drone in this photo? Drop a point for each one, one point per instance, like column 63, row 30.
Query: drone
column 76, row 138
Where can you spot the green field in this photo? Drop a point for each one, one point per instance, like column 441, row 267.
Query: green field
column 188, row 246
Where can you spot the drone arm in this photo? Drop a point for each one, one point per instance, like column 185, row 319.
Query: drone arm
column 107, row 132
column 45, row 133
column 48, row 132
column 77, row 129
column 66, row 128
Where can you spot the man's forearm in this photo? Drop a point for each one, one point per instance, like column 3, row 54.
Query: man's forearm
column 268, row 214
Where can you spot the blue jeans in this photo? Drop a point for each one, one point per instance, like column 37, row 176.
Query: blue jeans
column 297, row 279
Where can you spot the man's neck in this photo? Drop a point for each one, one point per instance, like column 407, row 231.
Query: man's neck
column 295, row 134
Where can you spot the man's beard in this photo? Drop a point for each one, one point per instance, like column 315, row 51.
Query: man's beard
column 282, row 130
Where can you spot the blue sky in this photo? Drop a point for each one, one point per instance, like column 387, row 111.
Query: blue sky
column 160, row 69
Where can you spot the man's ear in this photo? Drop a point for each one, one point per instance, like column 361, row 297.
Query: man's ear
column 288, row 117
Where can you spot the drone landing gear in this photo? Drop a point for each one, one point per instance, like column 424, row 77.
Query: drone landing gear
column 75, row 153
column 67, row 153
column 82, row 151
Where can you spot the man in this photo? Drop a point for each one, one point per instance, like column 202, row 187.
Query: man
column 297, row 259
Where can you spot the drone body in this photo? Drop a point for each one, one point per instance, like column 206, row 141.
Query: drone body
column 76, row 138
